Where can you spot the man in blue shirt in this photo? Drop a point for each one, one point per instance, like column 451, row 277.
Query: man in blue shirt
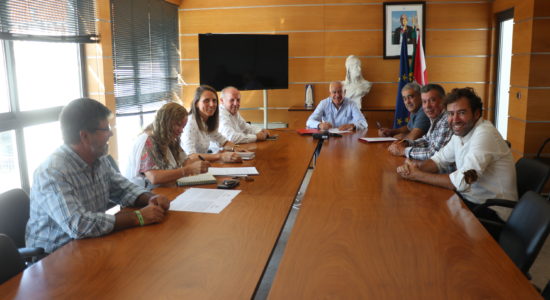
column 72, row 188
column 418, row 123
column 337, row 111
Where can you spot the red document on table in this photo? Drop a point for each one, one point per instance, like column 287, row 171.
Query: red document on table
column 307, row 131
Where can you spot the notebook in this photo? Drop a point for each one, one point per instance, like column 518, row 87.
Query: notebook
column 204, row 178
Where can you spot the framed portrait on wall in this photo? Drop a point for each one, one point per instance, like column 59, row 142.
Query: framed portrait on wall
column 402, row 17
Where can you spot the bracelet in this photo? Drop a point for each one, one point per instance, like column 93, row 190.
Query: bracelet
column 140, row 217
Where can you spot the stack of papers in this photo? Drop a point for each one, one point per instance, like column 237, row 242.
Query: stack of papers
column 211, row 201
column 246, row 155
column 338, row 131
column 233, row 171
column 378, row 139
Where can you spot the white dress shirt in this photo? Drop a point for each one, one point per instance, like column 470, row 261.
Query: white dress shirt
column 483, row 150
column 195, row 140
column 235, row 128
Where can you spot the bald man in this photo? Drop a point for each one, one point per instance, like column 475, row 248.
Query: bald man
column 337, row 111
column 232, row 126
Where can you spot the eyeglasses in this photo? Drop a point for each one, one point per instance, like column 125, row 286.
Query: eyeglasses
column 102, row 129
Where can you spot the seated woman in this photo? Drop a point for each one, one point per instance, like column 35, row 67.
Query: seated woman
column 158, row 157
column 203, row 128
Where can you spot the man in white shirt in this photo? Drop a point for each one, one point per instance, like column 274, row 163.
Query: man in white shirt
column 485, row 166
column 232, row 126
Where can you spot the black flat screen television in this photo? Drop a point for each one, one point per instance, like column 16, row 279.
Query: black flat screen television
column 245, row 61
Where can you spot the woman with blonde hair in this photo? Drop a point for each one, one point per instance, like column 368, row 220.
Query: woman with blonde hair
column 203, row 128
column 161, row 159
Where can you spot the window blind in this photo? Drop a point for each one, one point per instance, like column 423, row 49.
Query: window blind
column 145, row 54
column 48, row 20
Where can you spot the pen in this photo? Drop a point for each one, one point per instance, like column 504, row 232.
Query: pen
column 201, row 158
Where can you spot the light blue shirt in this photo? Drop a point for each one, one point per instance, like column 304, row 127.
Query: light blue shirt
column 69, row 199
column 348, row 113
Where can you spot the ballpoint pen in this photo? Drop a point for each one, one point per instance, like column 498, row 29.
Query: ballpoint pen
column 201, row 158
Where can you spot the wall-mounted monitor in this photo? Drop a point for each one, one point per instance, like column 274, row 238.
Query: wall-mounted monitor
column 245, row 61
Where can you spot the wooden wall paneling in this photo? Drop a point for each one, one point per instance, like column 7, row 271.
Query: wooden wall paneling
column 189, row 47
column 458, row 15
column 523, row 9
column 522, row 37
column 252, row 19
column 461, row 69
column 306, row 44
column 306, row 70
column 518, row 107
column 460, row 42
column 297, row 119
column 295, row 95
column 516, row 134
column 187, row 4
column 541, row 42
column 540, row 66
column 538, row 107
column 535, row 135
column 253, row 116
column 541, row 8
column 353, row 17
column 384, row 117
column 502, row 5
column 190, row 71
column 381, row 95
column 360, row 43
column 373, row 69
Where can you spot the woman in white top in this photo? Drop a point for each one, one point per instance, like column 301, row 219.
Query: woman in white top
column 203, row 128
column 158, row 157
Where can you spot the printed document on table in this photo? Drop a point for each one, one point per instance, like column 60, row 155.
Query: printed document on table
column 203, row 200
column 338, row 131
column 378, row 139
column 233, row 171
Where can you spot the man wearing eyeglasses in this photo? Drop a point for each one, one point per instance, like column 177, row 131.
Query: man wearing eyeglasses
column 72, row 188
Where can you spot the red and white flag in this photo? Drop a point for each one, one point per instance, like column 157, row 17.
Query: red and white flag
column 420, row 71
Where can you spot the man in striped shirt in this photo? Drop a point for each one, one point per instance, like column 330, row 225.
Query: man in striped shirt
column 72, row 188
column 439, row 133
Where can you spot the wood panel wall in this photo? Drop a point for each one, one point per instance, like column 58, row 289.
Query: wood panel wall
column 529, row 121
column 323, row 33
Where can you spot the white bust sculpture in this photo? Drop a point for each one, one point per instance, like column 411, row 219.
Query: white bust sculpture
column 355, row 86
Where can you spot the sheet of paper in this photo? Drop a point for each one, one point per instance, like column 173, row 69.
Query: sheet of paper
column 233, row 171
column 378, row 139
column 336, row 130
column 203, row 200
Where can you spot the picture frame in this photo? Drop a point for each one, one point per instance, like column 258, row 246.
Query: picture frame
column 395, row 13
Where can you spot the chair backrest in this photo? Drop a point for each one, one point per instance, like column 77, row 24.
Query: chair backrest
column 14, row 214
column 531, row 175
column 10, row 260
column 526, row 230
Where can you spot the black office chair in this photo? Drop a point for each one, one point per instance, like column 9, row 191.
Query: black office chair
column 14, row 214
column 526, row 230
column 10, row 260
column 546, row 291
column 531, row 175
column 539, row 156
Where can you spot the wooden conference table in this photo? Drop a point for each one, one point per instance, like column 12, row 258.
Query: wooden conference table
column 361, row 233
column 364, row 233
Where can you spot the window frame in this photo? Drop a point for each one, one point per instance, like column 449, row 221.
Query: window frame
column 18, row 120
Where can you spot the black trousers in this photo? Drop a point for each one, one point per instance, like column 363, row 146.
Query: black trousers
column 487, row 217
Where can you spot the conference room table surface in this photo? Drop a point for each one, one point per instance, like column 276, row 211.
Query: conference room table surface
column 364, row 233
column 188, row 255
column 361, row 232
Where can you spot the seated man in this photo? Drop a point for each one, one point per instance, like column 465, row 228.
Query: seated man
column 72, row 188
column 439, row 134
column 232, row 126
column 337, row 111
column 484, row 162
column 418, row 123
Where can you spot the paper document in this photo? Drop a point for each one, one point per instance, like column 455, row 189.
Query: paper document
column 336, row 130
column 233, row 171
column 203, row 200
column 378, row 139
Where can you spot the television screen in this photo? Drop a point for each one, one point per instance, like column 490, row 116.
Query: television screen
column 245, row 61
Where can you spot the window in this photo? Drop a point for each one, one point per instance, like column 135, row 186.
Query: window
column 40, row 71
column 146, row 64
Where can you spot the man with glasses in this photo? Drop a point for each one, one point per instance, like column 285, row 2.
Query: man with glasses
column 72, row 188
